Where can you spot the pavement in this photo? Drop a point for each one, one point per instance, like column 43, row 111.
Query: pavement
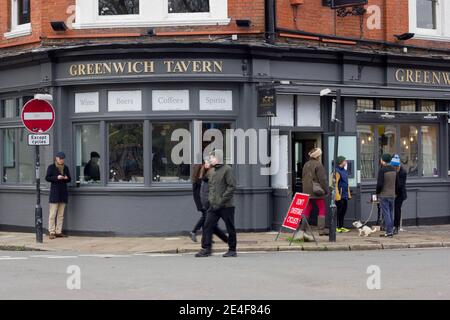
column 412, row 237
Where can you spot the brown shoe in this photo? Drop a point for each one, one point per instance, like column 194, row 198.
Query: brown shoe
column 52, row 236
column 60, row 235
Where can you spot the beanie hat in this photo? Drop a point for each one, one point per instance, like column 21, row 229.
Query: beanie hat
column 386, row 157
column 60, row 155
column 340, row 159
column 395, row 162
column 218, row 154
column 316, row 153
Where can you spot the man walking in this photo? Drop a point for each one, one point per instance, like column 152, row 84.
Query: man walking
column 386, row 187
column 59, row 176
column 342, row 193
column 221, row 193
column 401, row 194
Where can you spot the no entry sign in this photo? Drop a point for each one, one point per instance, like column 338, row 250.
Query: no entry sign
column 38, row 116
column 295, row 213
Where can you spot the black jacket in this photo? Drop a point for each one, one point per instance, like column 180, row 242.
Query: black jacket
column 58, row 189
column 401, row 186
column 196, row 193
column 387, row 182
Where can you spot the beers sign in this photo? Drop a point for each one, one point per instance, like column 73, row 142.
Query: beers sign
column 114, row 68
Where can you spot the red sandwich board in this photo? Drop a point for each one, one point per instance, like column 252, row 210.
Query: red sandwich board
column 295, row 213
column 38, row 116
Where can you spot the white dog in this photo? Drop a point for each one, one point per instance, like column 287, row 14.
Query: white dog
column 364, row 230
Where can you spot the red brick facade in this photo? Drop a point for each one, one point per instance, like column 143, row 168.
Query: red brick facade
column 311, row 16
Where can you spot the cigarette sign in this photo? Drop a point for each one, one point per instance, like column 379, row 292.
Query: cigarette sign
column 39, row 140
column 295, row 213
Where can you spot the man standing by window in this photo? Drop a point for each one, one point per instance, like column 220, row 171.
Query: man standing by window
column 221, row 192
column 401, row 194
column 59, row 176
column 386, row 187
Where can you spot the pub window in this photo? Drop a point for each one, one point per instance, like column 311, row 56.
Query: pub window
column 215, row 128
column 366, row 135
column 409, row 149
column 9, row 108
column 118, row 7
column 169, row 163
column 364, row 104
column 88, row 155
column 428, row 106
column 430, row 151
column 18, row 157
column 126, row 152
column 387, row 105
column 387, row 139
column 188, row 6
column 408, row 105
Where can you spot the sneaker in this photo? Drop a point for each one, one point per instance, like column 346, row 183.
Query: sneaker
column 345, row 230
column 52, row 236
column 203, row 253
column 387, row 235
column 230, row 253
column 60, row 235
column 193, row 236
column 338, row 230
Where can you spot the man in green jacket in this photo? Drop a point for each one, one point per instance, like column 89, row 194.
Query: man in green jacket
column 221, row 192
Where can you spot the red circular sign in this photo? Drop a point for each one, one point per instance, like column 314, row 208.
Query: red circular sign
column 38, row 116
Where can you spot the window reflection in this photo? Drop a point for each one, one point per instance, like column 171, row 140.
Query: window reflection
column 409, row 146
column 367, row 150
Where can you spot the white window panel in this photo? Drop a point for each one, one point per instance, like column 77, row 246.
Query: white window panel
column 153, row 13
column 280, row 162
column 308, row 111
column 17, row 29
column 441, row 32
column 285, row 111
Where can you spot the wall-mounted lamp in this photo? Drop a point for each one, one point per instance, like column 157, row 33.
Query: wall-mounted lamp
column 404, row 36
column 243, row 23
column 58, row 25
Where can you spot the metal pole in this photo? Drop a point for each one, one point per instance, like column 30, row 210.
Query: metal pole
column 38, row 210
column 337, row 124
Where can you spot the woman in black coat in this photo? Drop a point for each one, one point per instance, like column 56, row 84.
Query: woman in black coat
column 59, row 176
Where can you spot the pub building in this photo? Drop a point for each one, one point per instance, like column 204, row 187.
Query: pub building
column 122, row 102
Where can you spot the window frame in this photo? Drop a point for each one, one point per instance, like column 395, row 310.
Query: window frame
column 151, row 14
column 16, row 29
column 442, row 31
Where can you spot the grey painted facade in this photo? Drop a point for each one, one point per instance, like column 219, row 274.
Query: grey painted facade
column 168, row 209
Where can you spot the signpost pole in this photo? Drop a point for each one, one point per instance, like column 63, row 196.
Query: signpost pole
column 38, row 210
column 337, row 124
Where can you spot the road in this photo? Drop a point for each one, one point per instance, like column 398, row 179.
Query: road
column 407, row 274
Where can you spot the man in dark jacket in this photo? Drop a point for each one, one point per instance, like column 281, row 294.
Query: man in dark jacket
column 221, row 192
column 401, row 194
column 386, row 187
column 92, row 169
column 315, row 183
column 59, row 176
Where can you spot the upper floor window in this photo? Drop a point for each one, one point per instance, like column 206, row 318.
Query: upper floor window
column 117, row 7
column 427, row 19
column 155, row 13
column 20, row 19
column 188, row 6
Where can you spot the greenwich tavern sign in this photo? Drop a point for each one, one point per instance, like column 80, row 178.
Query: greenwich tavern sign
column 142, row 67
column 422, row 77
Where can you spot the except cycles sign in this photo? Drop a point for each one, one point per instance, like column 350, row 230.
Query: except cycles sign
column 295, row 213
column 38, row 116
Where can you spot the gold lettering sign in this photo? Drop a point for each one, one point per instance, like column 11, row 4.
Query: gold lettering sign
column 416, row 76
column 145, row 67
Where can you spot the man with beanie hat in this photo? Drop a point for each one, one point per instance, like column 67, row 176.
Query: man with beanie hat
column 221, row 192
column 315, row 183
column 386, row 188
column 400, row 192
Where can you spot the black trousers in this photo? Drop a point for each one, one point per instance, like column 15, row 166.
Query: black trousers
column 341, row 211
column 398, row 211
column 217, row 231
column 212, row 218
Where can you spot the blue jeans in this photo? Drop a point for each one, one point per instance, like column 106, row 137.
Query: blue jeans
column 387, row 209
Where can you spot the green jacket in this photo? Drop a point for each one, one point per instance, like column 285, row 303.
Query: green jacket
column 221, row 187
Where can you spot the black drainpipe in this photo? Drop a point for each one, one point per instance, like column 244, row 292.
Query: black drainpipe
column 270, row 21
